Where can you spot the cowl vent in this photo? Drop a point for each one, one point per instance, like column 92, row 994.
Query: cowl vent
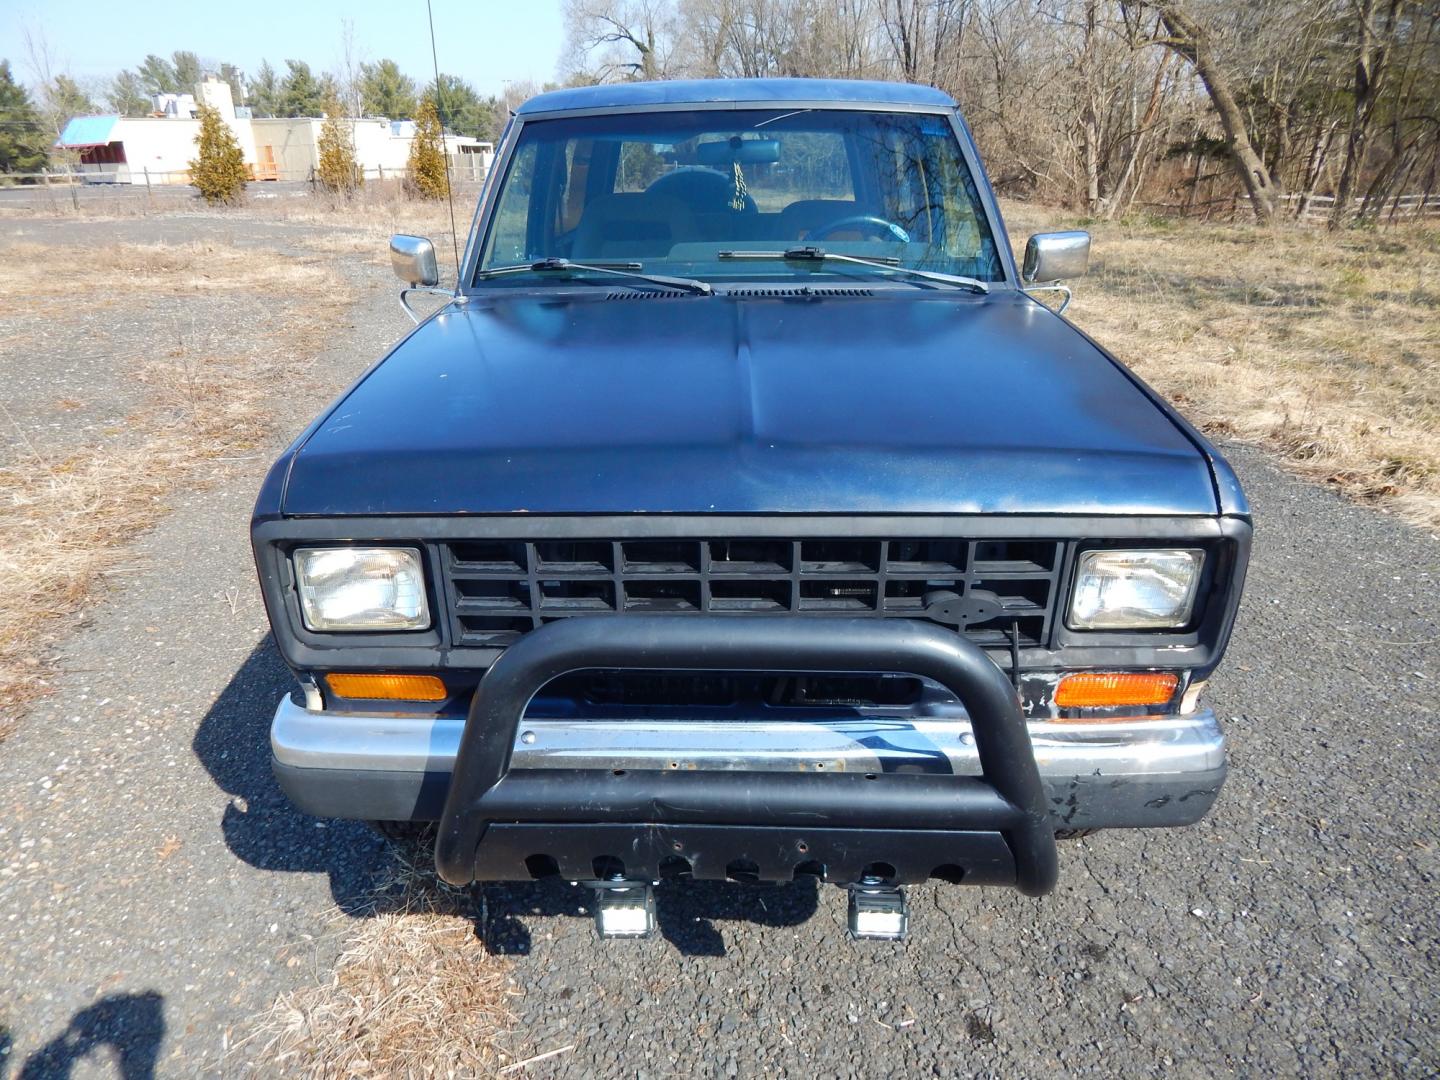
column 642, row 294
column 793, row 291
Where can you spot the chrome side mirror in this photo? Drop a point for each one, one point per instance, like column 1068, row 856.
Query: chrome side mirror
column 1055, row 256
column 413, row 260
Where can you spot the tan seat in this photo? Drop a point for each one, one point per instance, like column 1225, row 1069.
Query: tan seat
column 630, row 226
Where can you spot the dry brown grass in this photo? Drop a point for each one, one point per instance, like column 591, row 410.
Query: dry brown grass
column 64, row 519
column 377, row 210
column 121, row 273
column 164, row 269
column 415, row 994
column 1322, row 347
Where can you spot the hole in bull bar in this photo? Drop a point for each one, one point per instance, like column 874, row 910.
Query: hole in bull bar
column 608, row 868
column 742, row 870
column 878, row 871
column 810, row 868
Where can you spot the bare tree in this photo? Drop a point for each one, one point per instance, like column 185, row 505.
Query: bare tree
column 350, row 73
column 1070, row 100
column 618, row 39
column 1375, row 25
column 923, row 35
column 1189, row 39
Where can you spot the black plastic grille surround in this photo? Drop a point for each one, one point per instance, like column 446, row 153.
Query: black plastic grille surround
column 498, row 590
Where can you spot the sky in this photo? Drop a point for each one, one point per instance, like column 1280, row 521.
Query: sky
column 487, row 42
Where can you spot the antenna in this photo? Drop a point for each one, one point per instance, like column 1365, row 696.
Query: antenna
column 440, row 108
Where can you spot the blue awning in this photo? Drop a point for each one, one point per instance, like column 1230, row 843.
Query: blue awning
column 86, row 131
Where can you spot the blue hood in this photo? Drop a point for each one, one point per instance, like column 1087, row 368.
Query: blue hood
column 900, row 402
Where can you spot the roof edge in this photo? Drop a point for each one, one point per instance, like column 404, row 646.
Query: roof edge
column 733, row 91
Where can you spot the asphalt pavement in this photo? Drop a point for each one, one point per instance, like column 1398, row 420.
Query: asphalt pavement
column 157, row 892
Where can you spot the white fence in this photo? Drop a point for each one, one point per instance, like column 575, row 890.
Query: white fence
column 1317, row 208
column 464, row 168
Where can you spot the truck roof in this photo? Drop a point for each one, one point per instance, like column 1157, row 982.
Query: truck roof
column 735, row 91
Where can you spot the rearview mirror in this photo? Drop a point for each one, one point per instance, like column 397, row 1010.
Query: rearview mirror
column 413, row 260
column 736, row 149
column 1056, row 256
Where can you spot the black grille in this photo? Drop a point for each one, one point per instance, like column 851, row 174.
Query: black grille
column 499, row 589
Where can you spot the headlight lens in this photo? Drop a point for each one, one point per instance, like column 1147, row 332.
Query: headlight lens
column 353, row 588
column 1135, row 590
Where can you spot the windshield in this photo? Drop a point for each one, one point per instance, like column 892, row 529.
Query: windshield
column 679, row 193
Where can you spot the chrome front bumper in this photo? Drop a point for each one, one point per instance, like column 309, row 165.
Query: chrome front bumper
column 1130, row 774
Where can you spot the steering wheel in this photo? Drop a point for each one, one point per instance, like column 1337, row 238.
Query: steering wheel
column 885, row 230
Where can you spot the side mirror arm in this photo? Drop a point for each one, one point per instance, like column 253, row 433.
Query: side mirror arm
column 435, row 290
column 1031, row 290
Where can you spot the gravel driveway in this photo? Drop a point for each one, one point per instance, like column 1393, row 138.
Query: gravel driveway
column 156, row 891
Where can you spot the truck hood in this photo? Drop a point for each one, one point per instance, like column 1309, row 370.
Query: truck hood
column 891, row 403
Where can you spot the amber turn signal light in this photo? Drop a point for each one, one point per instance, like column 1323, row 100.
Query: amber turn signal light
column 1092, row 689
column 388, row 687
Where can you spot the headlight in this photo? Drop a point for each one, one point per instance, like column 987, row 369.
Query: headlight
column 353, row 588
column 1135, row 590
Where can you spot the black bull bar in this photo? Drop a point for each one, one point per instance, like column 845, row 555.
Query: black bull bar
column 1006, row 801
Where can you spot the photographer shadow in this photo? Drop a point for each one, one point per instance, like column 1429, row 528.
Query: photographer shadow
column 129, row 1026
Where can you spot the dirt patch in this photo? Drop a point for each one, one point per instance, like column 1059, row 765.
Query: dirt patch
column 1322, row 347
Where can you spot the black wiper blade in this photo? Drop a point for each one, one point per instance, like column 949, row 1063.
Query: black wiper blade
column 815, row 254
column 616, row 269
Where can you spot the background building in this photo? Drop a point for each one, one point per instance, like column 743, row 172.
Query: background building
column 158, row 149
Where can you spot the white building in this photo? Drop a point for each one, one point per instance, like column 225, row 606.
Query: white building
column 158, row 149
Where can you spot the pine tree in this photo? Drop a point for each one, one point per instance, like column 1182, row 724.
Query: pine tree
column 386, row 91
column 23, row 145
column 127, row 95
column 337, row 170
column 301, row 94
column 427, row 153
column 219, row 169
column 263, row 93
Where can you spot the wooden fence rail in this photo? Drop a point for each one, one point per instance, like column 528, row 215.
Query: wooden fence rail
column 1319, row 207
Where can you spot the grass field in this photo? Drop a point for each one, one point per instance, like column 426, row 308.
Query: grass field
column 1323, row 348
column 71, row 504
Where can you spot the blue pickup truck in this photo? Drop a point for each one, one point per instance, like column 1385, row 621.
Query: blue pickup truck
column 741, row 514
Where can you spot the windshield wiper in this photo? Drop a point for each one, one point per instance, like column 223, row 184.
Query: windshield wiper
column 617, row 269
column 815, row 254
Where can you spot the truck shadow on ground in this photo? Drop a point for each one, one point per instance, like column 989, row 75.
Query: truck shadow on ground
column 265, row 831
column 685, row 912
column 125, row 1029
column 260, row 825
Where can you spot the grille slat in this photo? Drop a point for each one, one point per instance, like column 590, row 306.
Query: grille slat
column 503, row 589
